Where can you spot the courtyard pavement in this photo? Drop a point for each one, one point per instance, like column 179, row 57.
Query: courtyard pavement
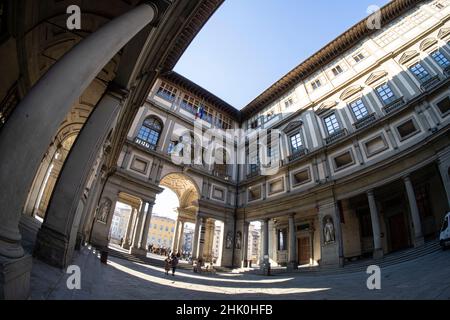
column 427, row 277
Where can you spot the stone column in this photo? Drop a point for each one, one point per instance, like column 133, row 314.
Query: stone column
column 181, row 237
column 244, row 248
column 265, row 266
column 30, row 129
column 135, row 249
column 374, row 217
column 56, row 238
column 201, row 240
column 175, row 236
column 293, row 259
column 195, row 241
column 128, row 235
column 415, row 217
column 146, row 228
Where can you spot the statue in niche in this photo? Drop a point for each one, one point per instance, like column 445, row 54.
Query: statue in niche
column 103, row 211
column 328, row 230
column 229, row 240
column 238, row 239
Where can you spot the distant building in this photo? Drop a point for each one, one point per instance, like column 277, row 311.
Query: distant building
column 253, row 243
column 161, row 231
column 188, row 239
column 119, row 224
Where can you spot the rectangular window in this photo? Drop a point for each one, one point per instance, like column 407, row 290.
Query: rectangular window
column 316, row 84
column 444, row 106
column 420, row 72
column 343, row 160
column 288, row 103
column 359, row 109
column 167, row 92
column 358, row 57
column 407, row 129
column 440, row 59
column 385, row 93
column 296, row 142
column 331, row 123
column 337, row 70
column 190, row 104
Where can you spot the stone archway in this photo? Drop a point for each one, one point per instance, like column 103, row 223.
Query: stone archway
column 188, row 194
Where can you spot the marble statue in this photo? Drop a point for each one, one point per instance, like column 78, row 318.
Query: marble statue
column 238, row 240
column 328, row 230
column 229, row 243
column 104, row 211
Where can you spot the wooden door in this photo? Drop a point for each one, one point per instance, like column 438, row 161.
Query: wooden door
column 304, row 250
column 398, row 232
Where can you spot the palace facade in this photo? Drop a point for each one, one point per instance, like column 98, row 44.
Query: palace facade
column 362, row 170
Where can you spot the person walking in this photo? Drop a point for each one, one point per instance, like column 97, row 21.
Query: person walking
column 167, row 265
column 174, row 261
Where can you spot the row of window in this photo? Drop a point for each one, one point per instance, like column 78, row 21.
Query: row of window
column 161, row 227
column 195, row 107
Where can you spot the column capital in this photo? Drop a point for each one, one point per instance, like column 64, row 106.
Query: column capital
column 291, row 215
column 370, row 192
column 406, row 178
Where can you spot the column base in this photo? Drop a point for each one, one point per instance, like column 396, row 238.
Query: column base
column 126, row 246
column 15, row 277
column 378, row 253
column 53, row 248
column 418, row 242
column 138, row 252
column 265, row 268
column 292, row 266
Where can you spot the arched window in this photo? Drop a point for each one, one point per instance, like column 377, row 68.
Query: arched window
column 149, row 133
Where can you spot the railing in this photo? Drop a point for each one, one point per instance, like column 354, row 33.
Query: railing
column 145, row 144
column 221, row 174
column 365, row 121
column 430, row 83
column 297, row 154
column 447, row 71
column 165, row 96
column 336, row 136
column 394, row 105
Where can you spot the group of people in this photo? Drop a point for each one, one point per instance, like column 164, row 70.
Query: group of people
column 171, row 262
column 162, row 251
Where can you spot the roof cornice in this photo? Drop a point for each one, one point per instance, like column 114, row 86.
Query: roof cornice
column 326, row 55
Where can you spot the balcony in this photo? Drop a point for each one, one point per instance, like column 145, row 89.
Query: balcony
column 361, row 123
column 221, row 174
column 447, row 71
column 336, row 136
column 430, row 83
column 394, row 105
column 145, row 144
column 297, row 154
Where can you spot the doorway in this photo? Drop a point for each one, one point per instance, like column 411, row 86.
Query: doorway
column 304, row 250
column 398, row 232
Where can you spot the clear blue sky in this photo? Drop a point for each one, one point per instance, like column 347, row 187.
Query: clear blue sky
column 248, row 45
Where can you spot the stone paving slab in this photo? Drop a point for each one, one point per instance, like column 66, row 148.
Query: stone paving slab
column 424, row 278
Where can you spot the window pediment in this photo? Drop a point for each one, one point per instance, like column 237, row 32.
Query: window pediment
column 350, row 92
column 374, row 77
column 407, row 56
column 324, row 107
column 427, row 43
column 294, row 125
column 444, row 32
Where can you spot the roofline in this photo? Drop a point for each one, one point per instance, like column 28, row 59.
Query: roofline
column 327, row 54
column 188, row 85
